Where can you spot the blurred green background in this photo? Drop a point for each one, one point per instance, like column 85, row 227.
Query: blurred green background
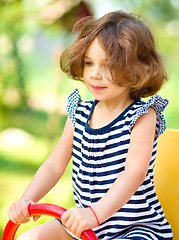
column 34, row 91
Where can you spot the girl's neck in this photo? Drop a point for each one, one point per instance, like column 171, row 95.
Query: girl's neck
column 115, row 105
column 105, row 112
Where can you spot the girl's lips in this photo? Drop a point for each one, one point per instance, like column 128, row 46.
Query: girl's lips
column 97, row 88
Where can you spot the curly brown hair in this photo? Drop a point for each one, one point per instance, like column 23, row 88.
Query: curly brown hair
column 130, row 48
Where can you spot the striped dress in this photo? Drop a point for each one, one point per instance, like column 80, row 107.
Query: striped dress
column 99, row 157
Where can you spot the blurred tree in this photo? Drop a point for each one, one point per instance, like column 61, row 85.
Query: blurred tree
column 58, row 17
column 160, row 10
column 157, row 10
column 12, row 66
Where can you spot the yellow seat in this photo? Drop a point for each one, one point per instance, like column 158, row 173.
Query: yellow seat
column 166, row 177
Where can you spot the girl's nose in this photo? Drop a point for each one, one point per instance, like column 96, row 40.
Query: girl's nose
column 96, row 74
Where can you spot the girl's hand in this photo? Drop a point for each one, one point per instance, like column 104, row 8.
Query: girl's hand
column 77, row 220
column 18, row 212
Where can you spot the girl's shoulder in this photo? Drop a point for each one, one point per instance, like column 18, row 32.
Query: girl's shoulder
column 141, row 107
column 156, row 102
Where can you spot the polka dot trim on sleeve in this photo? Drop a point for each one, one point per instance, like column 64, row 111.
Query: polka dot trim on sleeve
column 73, row 101
column 158, row 104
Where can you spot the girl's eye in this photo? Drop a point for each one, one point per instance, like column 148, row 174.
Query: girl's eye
column 89, row 64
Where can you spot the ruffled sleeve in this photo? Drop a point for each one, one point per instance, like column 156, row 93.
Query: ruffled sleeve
column 158, row 104
column 73, row 101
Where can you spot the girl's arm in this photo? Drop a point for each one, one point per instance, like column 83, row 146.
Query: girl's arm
column 136, row 167
column 46, row 177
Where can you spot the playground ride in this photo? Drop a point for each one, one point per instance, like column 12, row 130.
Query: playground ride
column 166, row 177
column 43, row 209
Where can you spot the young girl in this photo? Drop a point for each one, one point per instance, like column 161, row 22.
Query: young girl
column 113, row 139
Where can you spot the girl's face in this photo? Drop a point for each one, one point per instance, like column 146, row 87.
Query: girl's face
column 97, row 76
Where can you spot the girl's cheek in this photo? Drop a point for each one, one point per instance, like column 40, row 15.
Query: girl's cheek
column 85, row 73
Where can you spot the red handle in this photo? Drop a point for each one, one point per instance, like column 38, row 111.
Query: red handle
column 43, row 209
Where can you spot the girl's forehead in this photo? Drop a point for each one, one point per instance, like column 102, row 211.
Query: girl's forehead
column 95, row 50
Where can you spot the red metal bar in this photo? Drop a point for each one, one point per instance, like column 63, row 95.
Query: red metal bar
column 43, row 209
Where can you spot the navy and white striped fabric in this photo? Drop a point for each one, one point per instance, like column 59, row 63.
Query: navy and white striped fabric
column 99, row 158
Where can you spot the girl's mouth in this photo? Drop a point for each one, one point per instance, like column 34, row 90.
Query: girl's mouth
column 97, row 88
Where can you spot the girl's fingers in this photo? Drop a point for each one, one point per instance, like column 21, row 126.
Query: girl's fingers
column 65, row 216
column 13, row 214
column 20, row 216
column 79, row 231
column 17, row 217
column 69, row 221
column 18, row 212
column 76, row 229
column 73, row 221
column 36, row 217
column 24, row 209
column 77, row 220
column 11, row 217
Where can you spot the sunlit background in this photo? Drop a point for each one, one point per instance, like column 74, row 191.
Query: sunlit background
column 34, row 91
